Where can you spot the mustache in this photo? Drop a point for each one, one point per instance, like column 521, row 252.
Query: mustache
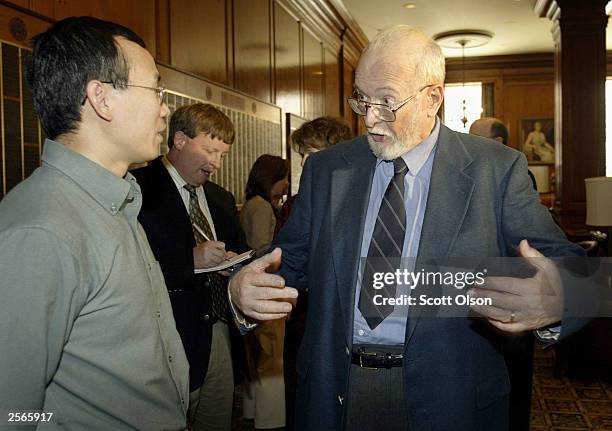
column 377, row 131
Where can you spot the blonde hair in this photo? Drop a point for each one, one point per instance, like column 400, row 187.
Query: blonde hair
column 201, row 118
column 428, row 57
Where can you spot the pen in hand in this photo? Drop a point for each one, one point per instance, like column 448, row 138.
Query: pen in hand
column 201, row 232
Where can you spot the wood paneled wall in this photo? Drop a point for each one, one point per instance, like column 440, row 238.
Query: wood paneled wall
column 523, row 89
column 523, row 86
column 298, row 55
column 287, row 60
column 199, row 40
column 253, row 54
column 287, row 52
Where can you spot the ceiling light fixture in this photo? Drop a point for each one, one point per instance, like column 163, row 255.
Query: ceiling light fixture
column 463, row 39
column 470, row 38
column 410, row 6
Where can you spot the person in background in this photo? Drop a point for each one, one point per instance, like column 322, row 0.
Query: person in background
column 489, row 127
column 191, row 222
column 266, row 185
column 264, row 395
column 86, row 328
column 309, row 138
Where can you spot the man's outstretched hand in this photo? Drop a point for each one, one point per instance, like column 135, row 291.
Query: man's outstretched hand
column 521, row 304
column 260, row 295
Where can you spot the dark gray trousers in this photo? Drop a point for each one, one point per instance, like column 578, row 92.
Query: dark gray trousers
column 376, row 400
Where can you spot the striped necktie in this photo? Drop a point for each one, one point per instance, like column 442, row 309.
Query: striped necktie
column 220, row 304
column 385, row 250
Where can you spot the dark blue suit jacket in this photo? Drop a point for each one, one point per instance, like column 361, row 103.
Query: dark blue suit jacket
column 481, row 203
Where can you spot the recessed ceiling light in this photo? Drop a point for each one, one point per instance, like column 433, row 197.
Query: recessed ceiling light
column 410, row 6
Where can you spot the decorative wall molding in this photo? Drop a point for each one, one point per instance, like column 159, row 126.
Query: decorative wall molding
column 515, row 61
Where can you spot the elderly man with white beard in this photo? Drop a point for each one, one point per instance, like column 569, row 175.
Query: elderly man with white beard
column 408, row 192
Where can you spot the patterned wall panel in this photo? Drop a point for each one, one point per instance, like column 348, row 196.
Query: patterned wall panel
column 21, row 137
column 258, row 124
column 254, row 137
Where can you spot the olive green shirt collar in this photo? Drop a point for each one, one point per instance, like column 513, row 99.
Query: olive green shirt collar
column 109, row 190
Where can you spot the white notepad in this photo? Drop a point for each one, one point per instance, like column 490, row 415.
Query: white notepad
column 227, row 263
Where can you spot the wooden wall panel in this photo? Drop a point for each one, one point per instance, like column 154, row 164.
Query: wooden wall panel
column 21, row 137
column 21, row 3
column 580, row 121
column 348, row 78
column 287, row 60
column 32, row 26
column 139, row 15
column 252, row 48
column 524, row 86
column 281, row 51
column 198, row 38
column 312, row 76
column 332, row 83
column 162, row 31
column 526, row 100
column 43, row 7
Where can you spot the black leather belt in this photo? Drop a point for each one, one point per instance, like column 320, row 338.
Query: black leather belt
column 374, row 360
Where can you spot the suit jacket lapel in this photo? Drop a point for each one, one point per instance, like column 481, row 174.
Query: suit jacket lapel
column 350, row 191
column 450, row 191
column 171, row 203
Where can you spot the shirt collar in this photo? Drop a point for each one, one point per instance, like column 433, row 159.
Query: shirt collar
column 174, row 174
column 415, row 158
column 109, row 190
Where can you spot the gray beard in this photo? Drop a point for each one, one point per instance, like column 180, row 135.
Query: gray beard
column 397, row 148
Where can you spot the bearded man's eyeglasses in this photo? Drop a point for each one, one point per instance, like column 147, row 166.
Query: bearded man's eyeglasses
column 381, row 110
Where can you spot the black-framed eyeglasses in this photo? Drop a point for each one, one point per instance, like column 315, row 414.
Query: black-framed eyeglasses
column 159, row 90
column 381, row 110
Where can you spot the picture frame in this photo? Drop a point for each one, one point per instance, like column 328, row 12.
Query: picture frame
column 537, row 140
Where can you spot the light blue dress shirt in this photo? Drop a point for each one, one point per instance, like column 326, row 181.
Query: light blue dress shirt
column 419, row 160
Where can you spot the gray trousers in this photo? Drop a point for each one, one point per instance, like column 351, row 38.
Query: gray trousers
column 375, row 400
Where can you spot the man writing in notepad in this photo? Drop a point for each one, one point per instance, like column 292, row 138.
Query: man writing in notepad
column 191, row 223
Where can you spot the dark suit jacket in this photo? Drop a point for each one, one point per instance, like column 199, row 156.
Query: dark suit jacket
column 168, row 227
column 481, row 203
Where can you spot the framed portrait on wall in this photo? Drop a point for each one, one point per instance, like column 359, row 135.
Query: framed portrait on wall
column 537, row 140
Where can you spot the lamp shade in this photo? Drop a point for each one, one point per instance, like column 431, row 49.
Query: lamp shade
column 542, row 176
column 599, row 201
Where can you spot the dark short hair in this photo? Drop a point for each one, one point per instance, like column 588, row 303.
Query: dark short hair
column 266, row 171
column 201, row 118
column 498, row 129
column 320, row 133
column 65, row 58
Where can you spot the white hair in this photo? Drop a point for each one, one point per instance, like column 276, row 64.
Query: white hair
column 428, row 58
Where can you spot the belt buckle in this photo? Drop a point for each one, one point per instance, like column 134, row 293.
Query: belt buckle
column 388, row 358
column 361, row 360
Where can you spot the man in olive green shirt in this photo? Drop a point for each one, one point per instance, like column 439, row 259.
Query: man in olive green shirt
column 86, row 328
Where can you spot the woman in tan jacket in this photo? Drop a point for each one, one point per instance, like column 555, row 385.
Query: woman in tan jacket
column 264, row 399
